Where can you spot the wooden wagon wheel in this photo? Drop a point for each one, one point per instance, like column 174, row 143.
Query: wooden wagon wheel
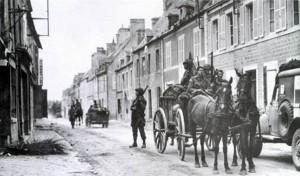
column 180, row 126
column 159, row 130
column 209, row 142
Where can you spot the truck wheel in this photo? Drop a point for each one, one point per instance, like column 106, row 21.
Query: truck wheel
column 257, row 146
column 296, row 149
column 285, row 117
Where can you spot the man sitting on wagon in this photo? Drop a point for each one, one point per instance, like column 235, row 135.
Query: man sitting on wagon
column 197, row 84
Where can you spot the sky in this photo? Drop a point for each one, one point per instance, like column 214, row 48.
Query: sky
column 77, row 28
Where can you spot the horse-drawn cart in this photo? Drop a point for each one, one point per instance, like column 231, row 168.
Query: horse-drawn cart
column 97, row 116
column 169, row 122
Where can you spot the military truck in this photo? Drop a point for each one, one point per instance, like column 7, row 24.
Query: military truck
column 281, row 122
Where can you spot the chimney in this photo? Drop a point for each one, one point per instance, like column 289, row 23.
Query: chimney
column 122, row 35
column 172, row 19
column 110, row 47
column 101, row 50
column 140, row 35
column 154, row 21
column 136, row 24
column 186, row 10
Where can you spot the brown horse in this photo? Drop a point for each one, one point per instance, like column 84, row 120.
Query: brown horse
column 245, row 112
column 214, row 116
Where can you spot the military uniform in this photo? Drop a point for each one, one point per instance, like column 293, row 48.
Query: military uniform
column 72, row 116
column 188, row 74
column 197, row 82
column 138, row 117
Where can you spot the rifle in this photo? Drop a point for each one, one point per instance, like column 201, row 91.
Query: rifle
column 145, row 89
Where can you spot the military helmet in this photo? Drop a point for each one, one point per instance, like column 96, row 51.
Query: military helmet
column 206, row 67
column 188, row 61
column 139, row 90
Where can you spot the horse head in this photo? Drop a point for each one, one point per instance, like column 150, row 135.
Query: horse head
column 224, row 95
column 244, row 86
column 223, row 106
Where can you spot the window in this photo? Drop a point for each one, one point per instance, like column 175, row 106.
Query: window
column 149, row 58
column 198, row 41
column 215, row 35
column 180, row 49
column 221, row 32
column 272, row 22
column 168, row 55
column 196, row 37
column 280, row 15
column 128, row 58
column 229, row 31
column 143, row 66
column 157, row 59
column 137, row 67
column 296, row 12
column 122, row 62
column 249, row 18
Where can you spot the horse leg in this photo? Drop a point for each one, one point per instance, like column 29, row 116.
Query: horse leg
column 216, row 150
column 202, row 140
column 193, row 133
column 224, row 139
column 243, row 146
column 234, row 142
column 251, row 147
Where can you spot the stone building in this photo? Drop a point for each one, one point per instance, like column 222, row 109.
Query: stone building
column 22, row 98
column 256, row 36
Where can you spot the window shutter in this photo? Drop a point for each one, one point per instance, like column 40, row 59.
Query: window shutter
column 255, row 20
column 242, row 29
column 260, row 18
column 223, row 32
column 220, row 32
column 277, row 15
column 227, row 31
column 235, row 30
column 283, row 14
column 209, row 32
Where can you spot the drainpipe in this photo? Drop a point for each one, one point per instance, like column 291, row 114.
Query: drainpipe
column 162, row 61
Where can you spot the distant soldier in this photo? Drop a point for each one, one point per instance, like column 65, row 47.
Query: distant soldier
column 95, row 105
column 138, row 117
column 72, row 115
column 78, row 105
column 218, row 80
column 207, row 72
column 184, row 97
column 188, row 74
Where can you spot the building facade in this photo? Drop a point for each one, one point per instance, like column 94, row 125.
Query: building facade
column 22, row 98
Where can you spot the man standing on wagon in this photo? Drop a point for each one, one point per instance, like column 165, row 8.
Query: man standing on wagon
column 138, row 117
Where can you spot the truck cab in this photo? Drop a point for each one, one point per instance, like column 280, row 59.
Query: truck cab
column 281, row 122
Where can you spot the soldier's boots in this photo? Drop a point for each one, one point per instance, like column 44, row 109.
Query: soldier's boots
column 133, row 145
column 144, row 144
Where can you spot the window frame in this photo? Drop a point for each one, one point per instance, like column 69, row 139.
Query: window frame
column 168, row 61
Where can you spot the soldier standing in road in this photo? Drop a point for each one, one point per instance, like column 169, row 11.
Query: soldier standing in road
column 72, row 116
column 138, row 117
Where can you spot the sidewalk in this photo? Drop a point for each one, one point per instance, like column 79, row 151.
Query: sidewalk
column 45, row 165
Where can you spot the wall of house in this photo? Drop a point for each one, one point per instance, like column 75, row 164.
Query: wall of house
column 263, row 53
